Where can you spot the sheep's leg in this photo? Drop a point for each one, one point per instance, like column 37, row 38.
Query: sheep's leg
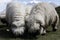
column 55, row 24
column 42, row 28
column 42, row 31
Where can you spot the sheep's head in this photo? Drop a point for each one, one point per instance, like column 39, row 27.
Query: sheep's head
column 34, row 27
column 17, row 28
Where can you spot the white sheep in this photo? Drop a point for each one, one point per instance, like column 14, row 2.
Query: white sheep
column 15, row 13
column 42, row 15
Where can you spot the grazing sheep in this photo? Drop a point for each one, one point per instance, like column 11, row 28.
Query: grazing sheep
column 15, row 13
column 42, row 15
column 10, row 14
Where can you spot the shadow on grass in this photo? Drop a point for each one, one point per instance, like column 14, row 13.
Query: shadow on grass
column 5, row 34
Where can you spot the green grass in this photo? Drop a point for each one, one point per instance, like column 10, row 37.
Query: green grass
column 4, row 35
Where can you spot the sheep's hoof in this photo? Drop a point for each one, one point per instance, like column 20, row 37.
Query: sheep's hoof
column 43, row 33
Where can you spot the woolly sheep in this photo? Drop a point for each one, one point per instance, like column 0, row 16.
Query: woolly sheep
column 42, row 15
column 15, row 13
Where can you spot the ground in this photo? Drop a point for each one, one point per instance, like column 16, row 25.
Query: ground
column 4, row 35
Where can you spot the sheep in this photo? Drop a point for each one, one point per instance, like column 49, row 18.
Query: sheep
column 15, row 13
column 41, row 16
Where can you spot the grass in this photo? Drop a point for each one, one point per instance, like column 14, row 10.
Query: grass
column 4, row 35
